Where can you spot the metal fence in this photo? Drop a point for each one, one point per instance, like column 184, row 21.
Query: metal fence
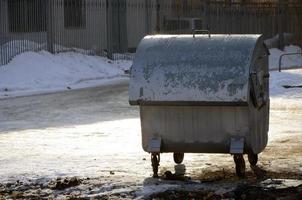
column 113, row 28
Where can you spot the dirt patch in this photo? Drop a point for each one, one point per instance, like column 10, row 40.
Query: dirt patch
column 102, row 188
column 61, row 184
column 249, row 192
column 180, row 194
column 246, row 192
column 288, row 147
column 292, row 150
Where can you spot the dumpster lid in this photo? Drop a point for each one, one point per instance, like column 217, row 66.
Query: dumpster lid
column 180, row 69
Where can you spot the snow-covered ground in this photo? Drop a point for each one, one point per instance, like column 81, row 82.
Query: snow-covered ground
column 286, row 88
column 43, row 72
column 287, row 61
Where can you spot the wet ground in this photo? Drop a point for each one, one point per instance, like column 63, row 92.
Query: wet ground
column 86, row 144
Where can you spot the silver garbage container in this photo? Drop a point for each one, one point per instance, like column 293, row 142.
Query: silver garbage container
column 202, row 94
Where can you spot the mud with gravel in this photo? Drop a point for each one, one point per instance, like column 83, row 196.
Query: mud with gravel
column 214, row 185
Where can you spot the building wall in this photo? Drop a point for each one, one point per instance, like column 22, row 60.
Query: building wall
column 92, row 36
column 3, row 21
column 139, row 23
column 123, row 28
column 39, row 37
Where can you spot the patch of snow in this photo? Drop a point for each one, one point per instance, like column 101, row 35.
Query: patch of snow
column 148, row 190
column 287, row 61
column 286, row 98
column 42, row 72
column 15, row 47
column 84, row 150
column 280, row 183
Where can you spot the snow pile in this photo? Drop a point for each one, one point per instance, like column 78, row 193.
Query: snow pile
column 286, row 88
column 15, row 47
column 287, row 61
column 39, row 72
column 59, row 48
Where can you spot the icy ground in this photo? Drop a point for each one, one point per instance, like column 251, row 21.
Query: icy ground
column 95, row 135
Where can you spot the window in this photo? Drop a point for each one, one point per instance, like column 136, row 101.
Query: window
column 74, row 14
column 27, row 15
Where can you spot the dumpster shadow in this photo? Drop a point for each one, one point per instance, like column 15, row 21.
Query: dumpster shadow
column 259, row 172
column 254, row 174
column 226, row 174
column 222, row 183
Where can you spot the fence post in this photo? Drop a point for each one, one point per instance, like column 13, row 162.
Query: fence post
column 50, row 27
column 147, row 17
column 122, row 26
column 157, row 16
column 109, row 28
column 206, row 17
column 281, row 23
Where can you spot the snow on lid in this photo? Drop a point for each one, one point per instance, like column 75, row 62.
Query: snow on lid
column 182, row 68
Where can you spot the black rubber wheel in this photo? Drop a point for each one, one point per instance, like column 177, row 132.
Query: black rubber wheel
column 155, row 163
column 178, row 157
column 240, row 165
column 253, row 159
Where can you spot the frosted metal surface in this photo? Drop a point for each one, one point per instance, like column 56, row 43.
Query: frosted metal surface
column 184, row 69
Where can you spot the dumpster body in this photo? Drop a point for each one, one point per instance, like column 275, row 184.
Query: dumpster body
column 202, row 94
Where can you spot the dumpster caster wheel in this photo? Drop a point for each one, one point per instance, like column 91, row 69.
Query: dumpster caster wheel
column 155, row 158
column 240, row 165
column 253, row 159
column 178, row 157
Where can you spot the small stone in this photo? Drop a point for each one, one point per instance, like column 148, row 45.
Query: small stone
column 112, row 172
column 168, row 175
column 8, row 185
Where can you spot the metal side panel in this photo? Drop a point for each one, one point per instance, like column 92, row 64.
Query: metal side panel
column 258, row 136
column 259, row 117
column 195, row 129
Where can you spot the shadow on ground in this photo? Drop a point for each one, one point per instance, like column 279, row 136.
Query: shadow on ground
column 221, row 184
column 76, row 107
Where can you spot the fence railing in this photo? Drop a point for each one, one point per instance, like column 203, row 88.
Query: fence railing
column 114, row 27
column 283, row 55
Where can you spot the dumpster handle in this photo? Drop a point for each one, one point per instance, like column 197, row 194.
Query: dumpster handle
column 201, row 31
